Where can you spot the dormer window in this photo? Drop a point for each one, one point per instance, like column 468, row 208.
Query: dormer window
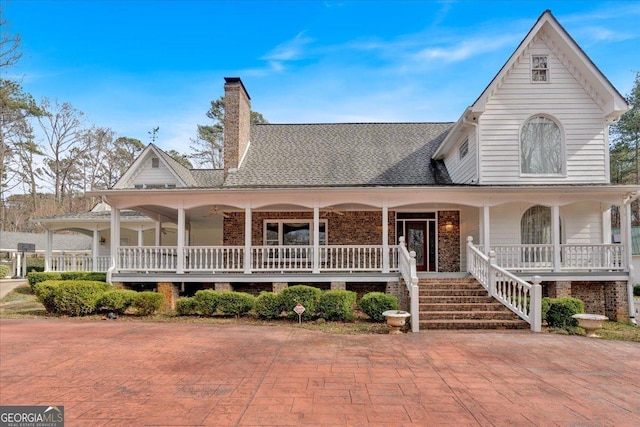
column 155, row 162
column 463, row 150
column 539, row 68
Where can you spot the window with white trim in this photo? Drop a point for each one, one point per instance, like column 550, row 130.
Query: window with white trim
column 292, row 232
column 539, row 68
column 463, row 150
column 155, row 162
column 541, row 147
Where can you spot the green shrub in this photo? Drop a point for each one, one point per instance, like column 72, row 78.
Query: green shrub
column 147, row 302
column 560, row 311
column 95, row 276
column 78, row 298
column 186, row 306
column 117, row 301
column 35, row 264
column 546, row 302
column 4, row 270
column 337, row 305
column 375, row 303
column 45, row 292
column 72, row 275
column 268, row 306
column 308, row 296
column 37, row 277
column 636, row 291
column 235, row 303
column 206, row 301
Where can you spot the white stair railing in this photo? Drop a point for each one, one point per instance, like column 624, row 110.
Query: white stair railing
column 522, row 298
column 407, row 268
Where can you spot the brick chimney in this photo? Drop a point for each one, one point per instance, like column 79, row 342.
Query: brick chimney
column 237, row 120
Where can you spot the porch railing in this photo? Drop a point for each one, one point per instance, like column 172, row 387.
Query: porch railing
column 214, row 258
column 284, row 258
column 572, row 257
column 61, row 263
column 522, row 298
column 147, row 258
column 407, row 268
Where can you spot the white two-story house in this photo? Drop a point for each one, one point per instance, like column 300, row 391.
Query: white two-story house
column 520, row 181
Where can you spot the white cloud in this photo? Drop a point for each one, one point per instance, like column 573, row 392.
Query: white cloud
column 291, row 50
column 466, row 49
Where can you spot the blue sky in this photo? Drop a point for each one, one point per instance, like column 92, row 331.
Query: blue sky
column 133, row 65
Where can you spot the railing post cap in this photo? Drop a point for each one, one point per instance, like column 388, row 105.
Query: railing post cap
column 401, row 239
column 469, row 239
column 492, row 254
column 536, row 280
column 412, row 254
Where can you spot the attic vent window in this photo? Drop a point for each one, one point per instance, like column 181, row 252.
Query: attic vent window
column 539, row 68
column 463, row 150
column 155, row 162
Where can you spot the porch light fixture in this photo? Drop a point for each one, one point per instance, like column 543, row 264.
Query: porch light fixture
column 448, row 226
column 103, row 240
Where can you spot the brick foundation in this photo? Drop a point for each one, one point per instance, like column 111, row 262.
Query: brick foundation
column 170, row 292
column 223, row 287
column 278, row 286
column 342, row 286
column 448, row 241
column 400, row 291
column 606, row 298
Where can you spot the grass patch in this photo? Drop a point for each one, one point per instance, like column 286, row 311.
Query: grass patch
column 619, row 332
column 21, row 302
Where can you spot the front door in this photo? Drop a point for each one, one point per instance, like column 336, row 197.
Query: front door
column 416, row 232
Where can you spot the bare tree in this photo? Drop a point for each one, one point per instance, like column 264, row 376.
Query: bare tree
column 63, row 133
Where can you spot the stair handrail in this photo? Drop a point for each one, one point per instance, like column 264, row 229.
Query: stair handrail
column 407, row 268
column 519, row 296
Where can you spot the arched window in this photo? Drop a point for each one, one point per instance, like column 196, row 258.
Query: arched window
column 535, row 226
column 541, row 147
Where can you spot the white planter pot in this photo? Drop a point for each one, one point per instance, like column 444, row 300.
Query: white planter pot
column 396, row 319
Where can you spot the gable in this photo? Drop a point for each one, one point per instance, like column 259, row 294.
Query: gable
column 150, row 170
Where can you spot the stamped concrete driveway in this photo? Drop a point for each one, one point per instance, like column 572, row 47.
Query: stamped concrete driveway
column 120, row 373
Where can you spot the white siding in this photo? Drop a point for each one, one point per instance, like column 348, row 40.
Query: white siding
column 563, row 98
column 148, row 175
column 469, row 226
column 463, row 171
column 581, row 223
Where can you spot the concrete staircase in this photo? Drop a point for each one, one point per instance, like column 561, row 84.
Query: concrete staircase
column 462, row 303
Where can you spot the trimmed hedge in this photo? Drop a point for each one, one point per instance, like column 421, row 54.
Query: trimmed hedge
column 337, row 305
column 147, row 302
column 78, row 298
column 206, row 302
column 558, row 311
column 84, row 275
column 45, row 292
column 375, row 303
column 267, row 305
column 4, row 270
column 116, row 301
column 235, row 303
column 308, row 296
column 36, row 277
column 186, row 306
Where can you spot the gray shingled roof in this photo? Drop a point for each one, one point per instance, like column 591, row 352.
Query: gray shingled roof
column 69, row 242
column 94, row 216
column 326, row 155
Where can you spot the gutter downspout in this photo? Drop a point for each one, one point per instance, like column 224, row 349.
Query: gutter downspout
column 627, row 200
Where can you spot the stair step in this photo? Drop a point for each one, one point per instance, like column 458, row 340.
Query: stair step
column 467, row 315
column 472, row 306
column 453, row 292
column 473, row 324
column 452, row 299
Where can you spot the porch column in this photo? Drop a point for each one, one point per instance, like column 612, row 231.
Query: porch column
column 95, row 248
column 625, row 233
column 316, row 239
column 485, row 228
column 181, row 230
column 606, row 226
column 140, row 237
column 158, row 233
column 115, row 236
column 555, row 238
column 247, row 240
column 48, row 247
column 385, row 238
